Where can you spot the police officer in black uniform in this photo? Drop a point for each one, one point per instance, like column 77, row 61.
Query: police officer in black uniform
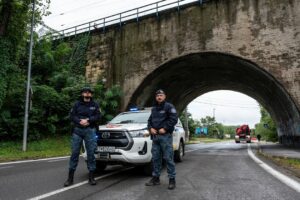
column 161, row 124
column 84, row 115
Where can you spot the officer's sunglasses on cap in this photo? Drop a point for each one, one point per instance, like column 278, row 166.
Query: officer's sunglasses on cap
column 159, row 92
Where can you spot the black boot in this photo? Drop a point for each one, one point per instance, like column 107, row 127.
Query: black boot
column 154, row 181
column 92, row 180
column 172, row 183
column 70, row 178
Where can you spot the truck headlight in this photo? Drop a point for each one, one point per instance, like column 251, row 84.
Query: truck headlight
column 140, row 133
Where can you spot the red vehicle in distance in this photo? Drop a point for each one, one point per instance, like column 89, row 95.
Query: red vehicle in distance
column 242, row 133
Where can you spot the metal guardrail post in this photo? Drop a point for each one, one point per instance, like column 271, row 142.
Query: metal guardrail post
column 200, row 2
column 75, row 30
column 120, row 20
column 137, row 15
column 89, row 26
column 178, row 6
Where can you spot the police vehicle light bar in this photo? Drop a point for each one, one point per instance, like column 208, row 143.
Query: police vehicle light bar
column 133, row 109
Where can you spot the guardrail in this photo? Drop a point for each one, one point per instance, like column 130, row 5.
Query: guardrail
column 120, row 18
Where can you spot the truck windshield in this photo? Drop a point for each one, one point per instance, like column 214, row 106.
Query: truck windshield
column 134, row 117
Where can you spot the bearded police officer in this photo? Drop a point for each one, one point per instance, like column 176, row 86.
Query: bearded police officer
column 84, row 115
column 161, row 124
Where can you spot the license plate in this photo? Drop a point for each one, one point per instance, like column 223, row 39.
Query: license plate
column 106, row 149
column 104, row 156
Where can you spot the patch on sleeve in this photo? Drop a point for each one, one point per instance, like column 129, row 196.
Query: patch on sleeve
column 173, row 110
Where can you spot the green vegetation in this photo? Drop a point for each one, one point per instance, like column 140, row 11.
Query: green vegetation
column 215, row 130
column 54, row 89
column 196, row 140
column 14, row 19
column 48, row 147
column 57, row 77
column 266, row 127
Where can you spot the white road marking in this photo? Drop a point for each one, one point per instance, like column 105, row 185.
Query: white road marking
column 57, row 160
column 76, row 185
column 6, row 167
column 283, row 178
column 28, row 161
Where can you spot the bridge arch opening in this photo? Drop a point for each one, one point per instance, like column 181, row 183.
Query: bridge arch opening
column 189, row 76
column 227, row 107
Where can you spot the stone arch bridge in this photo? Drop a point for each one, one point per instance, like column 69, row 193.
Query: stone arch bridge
column 249, row 46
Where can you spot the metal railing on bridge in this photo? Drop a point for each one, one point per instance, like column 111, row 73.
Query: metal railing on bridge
column 121, row 18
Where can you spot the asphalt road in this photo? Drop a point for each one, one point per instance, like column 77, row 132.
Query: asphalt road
column 209, row 171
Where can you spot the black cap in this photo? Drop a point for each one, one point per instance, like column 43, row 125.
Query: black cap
column 86, row 89
column 160, row 91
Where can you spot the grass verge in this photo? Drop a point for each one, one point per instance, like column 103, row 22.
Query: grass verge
column 45, row 148
column 291, row 164
column 205, row 140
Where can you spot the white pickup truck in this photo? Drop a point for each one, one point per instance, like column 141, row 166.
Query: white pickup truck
column 126, row 140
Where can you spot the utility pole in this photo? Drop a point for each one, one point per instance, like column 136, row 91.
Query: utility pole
column 28, row 81
column 187, row 132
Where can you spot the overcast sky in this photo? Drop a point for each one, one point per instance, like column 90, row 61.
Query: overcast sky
column 230, row 108
column 68, row 13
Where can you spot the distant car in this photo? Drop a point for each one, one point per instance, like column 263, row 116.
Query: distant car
column 126, row 140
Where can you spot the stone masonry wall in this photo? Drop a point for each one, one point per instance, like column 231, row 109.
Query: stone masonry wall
column 267, row 32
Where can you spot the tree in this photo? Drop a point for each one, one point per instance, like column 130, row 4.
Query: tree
column 57, row 76
column 5, row 15
column 192, row 124
column 230, row 130
column 55, row 89
column 266, row 127
column 210, row 123
column 15, row 16
column 14, row 20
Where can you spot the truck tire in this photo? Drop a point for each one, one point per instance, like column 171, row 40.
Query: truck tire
column 178, row 154
column 100, row 166
column 237, row 141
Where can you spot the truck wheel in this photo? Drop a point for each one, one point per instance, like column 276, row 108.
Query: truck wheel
column 178, row 154
column 237, row 141
column 100, row 166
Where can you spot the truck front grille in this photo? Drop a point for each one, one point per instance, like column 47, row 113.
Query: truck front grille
column 118, row 139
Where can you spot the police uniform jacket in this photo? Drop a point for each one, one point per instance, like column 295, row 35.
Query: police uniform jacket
column 163, row 115
column 85, row 110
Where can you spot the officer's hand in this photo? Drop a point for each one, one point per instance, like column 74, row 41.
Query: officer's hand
column 84, row 122
column 162, row 131
column 153, row 131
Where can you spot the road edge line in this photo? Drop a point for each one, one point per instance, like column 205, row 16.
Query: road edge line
column 37, row 160
column 76, row 185
column 283, row 178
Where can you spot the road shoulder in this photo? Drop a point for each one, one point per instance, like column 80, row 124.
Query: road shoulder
column 270, row 159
